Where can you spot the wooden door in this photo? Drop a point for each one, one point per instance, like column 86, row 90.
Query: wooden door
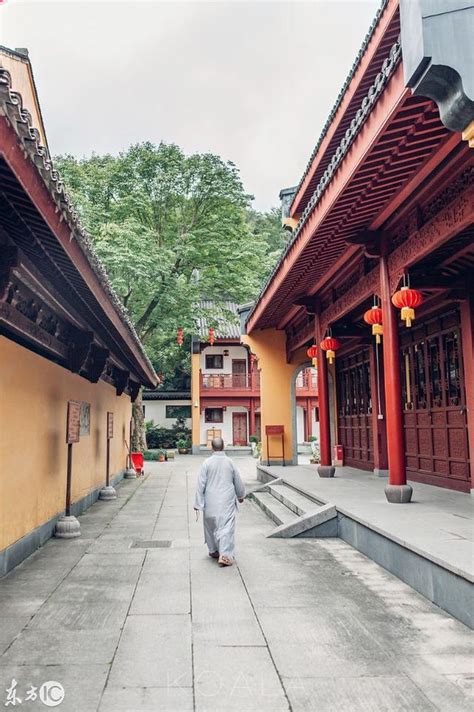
column 354, row 409
column 433, row 389
column 239, row 370
column 239, row 428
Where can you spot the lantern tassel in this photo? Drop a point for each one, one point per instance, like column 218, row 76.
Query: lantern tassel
column 377, row 331
column 408, row 314
column 330, row 354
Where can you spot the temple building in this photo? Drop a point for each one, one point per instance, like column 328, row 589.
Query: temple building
column 226, row 386
column 66, row 343
column 378, row 273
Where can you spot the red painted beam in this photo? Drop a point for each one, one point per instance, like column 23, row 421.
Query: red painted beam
column 355, row 84
column 385, row 109
column 33, row 185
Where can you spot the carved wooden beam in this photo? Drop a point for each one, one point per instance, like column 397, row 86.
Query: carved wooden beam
column 364, row 288
column 134, row 389
column 311, row 304
column 30, row 332
column 120, row 379
column 78, row 351
column 8, row 260
column 95, row 363
column 449, row 221
column 370, row 240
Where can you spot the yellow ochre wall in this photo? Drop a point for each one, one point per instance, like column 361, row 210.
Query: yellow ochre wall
column 195, row 396
column 276, row 378
column 33, row 451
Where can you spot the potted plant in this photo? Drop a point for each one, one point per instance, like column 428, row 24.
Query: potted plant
column 161, row 455
column 183, row 446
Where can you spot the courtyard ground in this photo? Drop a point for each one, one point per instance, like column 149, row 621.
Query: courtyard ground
column 135, row 617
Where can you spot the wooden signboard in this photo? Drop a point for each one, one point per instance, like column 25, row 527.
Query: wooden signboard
column 274, row 429
column 73, row 423
column 110, row 426
column 271, row 430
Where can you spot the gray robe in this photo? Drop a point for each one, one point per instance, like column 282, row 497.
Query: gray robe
column 218, row 487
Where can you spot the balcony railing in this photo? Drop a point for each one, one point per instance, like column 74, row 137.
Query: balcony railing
column 307, row 380
column 227, row 381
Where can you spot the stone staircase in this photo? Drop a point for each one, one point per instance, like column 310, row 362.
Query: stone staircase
column 294, row 513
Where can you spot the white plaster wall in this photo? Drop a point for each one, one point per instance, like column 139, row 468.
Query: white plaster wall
column 225, row 426
column 235, row 352
column 156, row 411
column 300, row 424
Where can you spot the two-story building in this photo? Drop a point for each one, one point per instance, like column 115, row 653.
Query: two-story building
column 226, row 387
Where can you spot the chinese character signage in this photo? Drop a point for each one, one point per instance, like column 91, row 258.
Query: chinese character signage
column 110, row 426
column 73, row 426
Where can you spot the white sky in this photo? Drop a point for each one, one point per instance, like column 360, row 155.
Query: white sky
column 250, row 81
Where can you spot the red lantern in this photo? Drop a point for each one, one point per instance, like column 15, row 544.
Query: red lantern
column 312, row 353
column 179, row 337
column 211, row 336
column 330, row 345
column 407, row 299
column 374, row 316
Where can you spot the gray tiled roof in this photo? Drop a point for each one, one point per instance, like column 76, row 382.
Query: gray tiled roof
column 166, row 395
column 223, row 316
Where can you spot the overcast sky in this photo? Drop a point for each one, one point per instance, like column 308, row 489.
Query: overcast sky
column 250, row 81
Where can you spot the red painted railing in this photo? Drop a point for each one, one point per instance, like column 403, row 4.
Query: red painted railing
column 228, row 381
column 307, row 380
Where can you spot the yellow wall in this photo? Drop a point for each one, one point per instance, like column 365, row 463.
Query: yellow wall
column 276, row 378
column 33, row 401
column 195, row 396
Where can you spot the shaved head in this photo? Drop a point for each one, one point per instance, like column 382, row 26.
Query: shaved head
column 217, row 444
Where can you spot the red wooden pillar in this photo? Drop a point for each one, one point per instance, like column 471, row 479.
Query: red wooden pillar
column 309, row 425
column 252, row 417
column 397, row 490
column 305, row 424
column 325, row 469
column 467, row 331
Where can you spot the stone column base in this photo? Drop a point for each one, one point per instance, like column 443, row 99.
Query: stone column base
column 130, row 474
column 67, row 528
column 326, row 470
column 380, row 473
column 398, row 494
column 108, row 493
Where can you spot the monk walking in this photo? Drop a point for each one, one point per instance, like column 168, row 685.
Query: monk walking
column 219, row 487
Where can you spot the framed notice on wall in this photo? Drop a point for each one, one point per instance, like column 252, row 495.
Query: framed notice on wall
column 73, row 422
column 110, row 426
column 85, row 419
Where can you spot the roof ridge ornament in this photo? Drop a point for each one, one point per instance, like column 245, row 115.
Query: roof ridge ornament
column 438, row 56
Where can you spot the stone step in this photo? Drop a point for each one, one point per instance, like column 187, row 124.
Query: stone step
column 230, row 451
column 297, row 502
column 274, row 509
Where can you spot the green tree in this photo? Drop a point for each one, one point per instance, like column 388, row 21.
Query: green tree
column 171, row 229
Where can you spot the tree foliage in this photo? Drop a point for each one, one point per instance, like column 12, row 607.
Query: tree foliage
column 172, row 229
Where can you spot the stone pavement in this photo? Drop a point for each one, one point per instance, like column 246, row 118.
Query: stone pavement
column 296, row 625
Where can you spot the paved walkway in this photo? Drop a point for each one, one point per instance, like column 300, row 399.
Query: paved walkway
column 297, row 625
column 438, row 523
